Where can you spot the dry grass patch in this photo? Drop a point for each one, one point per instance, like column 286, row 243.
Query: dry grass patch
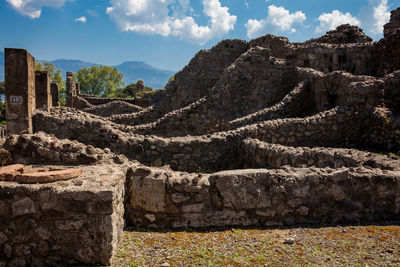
column 345, row 246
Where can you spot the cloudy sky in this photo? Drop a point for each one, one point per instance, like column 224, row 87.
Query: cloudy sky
column 167, row 33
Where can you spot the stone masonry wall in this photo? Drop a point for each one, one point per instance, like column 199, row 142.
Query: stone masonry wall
column 114, row 107
column 258, row 154
column 158, row 198
column 62, row 223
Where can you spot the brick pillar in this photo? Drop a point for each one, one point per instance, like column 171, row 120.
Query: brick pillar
column 20, row 90
column 78, row 89
column 55, row 94
column 71, row 90
column 43, row 94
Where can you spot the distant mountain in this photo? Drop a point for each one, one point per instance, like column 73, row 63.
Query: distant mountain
column 136, row 70
column 132, row 70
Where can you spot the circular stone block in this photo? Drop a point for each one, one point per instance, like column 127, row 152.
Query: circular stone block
column 48, row 176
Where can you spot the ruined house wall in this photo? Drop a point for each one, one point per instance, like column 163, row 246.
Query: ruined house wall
column 20, row 90
column 62, row 223
column 258, row 154
column 203, row 153
column 159, row 198
column 94, row 100
column 55, row 94
column 43, row 93
column 70, row 89
column 193, row 82
column 298, row 103
column 336, row 127
column 253, row 82
column 388, row 48
column 113, row 107
column 383, row 131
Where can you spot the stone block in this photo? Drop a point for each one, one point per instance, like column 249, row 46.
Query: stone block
column 63, row 233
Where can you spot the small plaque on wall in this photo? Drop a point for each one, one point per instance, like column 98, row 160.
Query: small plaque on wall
column 16, row 99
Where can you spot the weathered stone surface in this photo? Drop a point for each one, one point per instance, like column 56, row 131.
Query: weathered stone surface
column 43, row 93
column 266, row 197
column 48, row 176
column 20, row 90
column 65, row 222
column 146, row 192
column 8, row 173
column 343, row 34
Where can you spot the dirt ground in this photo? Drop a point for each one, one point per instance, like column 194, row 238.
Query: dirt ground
column 321, row 246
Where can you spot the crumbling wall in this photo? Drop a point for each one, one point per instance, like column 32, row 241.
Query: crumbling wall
column 388, row 48
column 63, row 223
column 158, row 198
column 327, row 54
column 95, row 100
column 112, row 108
column 253, row 82
column 42, row 92
column 20, row 90
column 203, row 153
column 258, row 154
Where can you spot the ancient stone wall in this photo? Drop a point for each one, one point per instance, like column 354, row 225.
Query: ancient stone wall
column 20, row 90
column 113, row 107
column 70, row 89
column 258, row 154
column 94, row 100
column 383, row 130
column 55, row 94
column 356, row 58
column 203, row 153
column 43, row 93
column 158, row 198
column 62, row 223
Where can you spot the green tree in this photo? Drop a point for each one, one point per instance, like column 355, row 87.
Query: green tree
column 55, row 77
column 2, row 88
column 133, row 90
column 102, row 81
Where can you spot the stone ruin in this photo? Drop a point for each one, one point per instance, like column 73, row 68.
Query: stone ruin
column 260, row 133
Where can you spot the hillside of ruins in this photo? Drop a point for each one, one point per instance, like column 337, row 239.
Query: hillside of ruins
column 259, row 133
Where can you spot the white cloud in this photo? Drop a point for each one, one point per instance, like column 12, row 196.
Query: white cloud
column 171, row 18
column 381, row 16
column 92, row 12
column 33, row 8
column 81, row 19
column 329, row 21
column 374, row 16
column 278, row 20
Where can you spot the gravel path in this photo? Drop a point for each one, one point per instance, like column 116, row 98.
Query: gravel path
column 329, row 246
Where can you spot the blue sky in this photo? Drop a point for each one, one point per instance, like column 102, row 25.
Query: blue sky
column 167, row 33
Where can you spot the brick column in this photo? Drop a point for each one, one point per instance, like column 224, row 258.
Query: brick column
column 20, row 90
column 43, row 94
column 55, row 94
column 71, row 90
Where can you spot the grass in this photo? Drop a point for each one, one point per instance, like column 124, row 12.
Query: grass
column 326, row 246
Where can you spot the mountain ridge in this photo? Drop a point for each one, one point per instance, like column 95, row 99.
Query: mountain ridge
column 132, row 70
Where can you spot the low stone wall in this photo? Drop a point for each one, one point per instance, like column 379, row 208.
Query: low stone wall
column 336, row 127
column 294, row 104
column 63, row 223
column 203, row 153
column 43, row 148
column 94, row 100
column 384, row 130
column 258, row 154
column 112, row 108
column 158, row 198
